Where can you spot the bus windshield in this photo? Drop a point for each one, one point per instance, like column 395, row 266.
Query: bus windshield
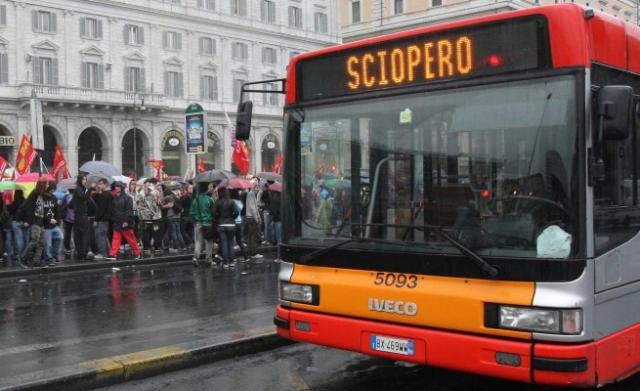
column 492, row 166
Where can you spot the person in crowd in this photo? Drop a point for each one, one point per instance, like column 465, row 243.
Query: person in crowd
column 54, row 235
column 150, row 215
column 171, row 204
column 264, row 198
column 102, row 200
column 20, row 234
column 6, row 240
column 252, row 219
column 225, row 213
column 274, row 212
column 133, row 193
column 66, row 211
column 239, row 222
column 81, row 229
column 38, row 213
column 201, row 209
column 186, row 220
column 122, row 222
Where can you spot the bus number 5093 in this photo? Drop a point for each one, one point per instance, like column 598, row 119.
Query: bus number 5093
column 399, row 280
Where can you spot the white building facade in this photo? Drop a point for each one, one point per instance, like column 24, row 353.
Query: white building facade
column 115, row 76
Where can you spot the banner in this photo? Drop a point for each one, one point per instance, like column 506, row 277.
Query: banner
column 3, row 166
column 158, row 165
column 201, row 166
column 196, row 140
column 59, row 164
column 241, row 157
column 278, row 167
column 26, row 156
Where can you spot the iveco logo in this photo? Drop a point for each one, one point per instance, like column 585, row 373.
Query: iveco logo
column 393, row 307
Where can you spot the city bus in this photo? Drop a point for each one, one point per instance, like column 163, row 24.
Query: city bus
column 465, row 196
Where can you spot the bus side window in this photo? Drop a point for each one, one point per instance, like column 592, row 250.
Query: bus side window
column 616, row 204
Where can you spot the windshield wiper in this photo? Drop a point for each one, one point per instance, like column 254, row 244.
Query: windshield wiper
column 306, row 258
column 485, row 266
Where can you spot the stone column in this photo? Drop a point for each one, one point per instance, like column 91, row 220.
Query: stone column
column 116, row 145
column 226, row 147
column 71, row 148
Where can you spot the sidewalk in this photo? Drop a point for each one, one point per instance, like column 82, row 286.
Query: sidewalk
column 72, row 265
column 89, row 330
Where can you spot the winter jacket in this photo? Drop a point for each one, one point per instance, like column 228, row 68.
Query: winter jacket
column 103, row 206
column 80, row 201
column 251, row 206
column 201, row 210
column 39, row 210
column 149, row 206
column 122, row 212
column 225, row 212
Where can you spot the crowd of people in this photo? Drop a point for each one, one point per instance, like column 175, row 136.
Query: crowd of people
column 90, row 222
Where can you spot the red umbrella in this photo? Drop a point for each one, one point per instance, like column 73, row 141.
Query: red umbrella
column 276, row 186
column 238, row 183
column 33, row 177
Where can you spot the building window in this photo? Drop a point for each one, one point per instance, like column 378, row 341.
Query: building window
column 237, row 86
column 133, row 35
column 134, row 79
column 172, row 40
column 90, row 28
column 92, row 75
column 45, row 70
column 209, row 5
column 4, row 68
column 269, row 56
column 268, row 11
column 270, row 99
column 320, row 22
column 295, row 17
column 239, row 7
column 355, row 12
column 398, row 7
column 240, row 51
column 207, row 46
column 44, row 21
column 208, row 87
column 173, row 84
column 3, row 15
column 436, row 3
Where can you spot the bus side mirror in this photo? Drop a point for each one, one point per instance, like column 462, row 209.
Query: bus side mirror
column 615, row 112
column 243, row 120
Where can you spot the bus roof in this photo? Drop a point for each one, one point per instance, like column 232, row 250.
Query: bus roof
column 576, row 39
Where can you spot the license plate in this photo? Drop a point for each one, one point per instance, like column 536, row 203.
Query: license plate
column 401, row 346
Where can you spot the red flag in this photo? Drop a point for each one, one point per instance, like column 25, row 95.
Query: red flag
column 26, row 156
column 158, row 165
column 201, row 166
column 3, row 166
column 334, row 165
column 278, row 167
column 59, row 164
column 241, row 157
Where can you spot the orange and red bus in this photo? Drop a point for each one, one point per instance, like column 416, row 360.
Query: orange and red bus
column 465, row 196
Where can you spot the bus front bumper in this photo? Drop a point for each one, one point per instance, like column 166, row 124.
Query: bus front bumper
column 524, row 361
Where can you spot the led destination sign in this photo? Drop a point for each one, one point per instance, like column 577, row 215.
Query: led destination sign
column 483, row 50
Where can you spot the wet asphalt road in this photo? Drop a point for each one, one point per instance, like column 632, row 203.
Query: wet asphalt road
column 307, row 367
column 68, row 318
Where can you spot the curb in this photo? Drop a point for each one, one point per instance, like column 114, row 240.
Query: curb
column 97, row 265
column 119, row 369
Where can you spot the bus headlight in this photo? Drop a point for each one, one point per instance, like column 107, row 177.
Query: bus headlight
column 541, row 320
column 299, row 293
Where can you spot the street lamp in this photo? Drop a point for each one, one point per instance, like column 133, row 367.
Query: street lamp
column 135, row 131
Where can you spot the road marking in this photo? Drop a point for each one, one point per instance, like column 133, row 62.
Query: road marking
column 132, row 363
column 298, row 383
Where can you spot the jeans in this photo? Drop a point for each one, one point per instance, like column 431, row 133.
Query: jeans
column 186, row 228
column 200, row 240
column 101, row 231
column 239, row 241
column 20, row 237
column 277, row 228
column 68, row 233
column 268, row 229
column 8, row 247
column 253, row 236
column 37, row 243
column 54, row 240
column 175, row 237
column 226, row 234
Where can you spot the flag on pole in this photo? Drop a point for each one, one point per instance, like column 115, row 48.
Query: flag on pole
column 201, row 166
column 3, row 166
column 278, row 167
column 241, row 157
column 59, row 164
column 26, row 156
column 158, row 165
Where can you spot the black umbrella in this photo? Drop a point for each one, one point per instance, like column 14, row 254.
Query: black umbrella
column 214, row 175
